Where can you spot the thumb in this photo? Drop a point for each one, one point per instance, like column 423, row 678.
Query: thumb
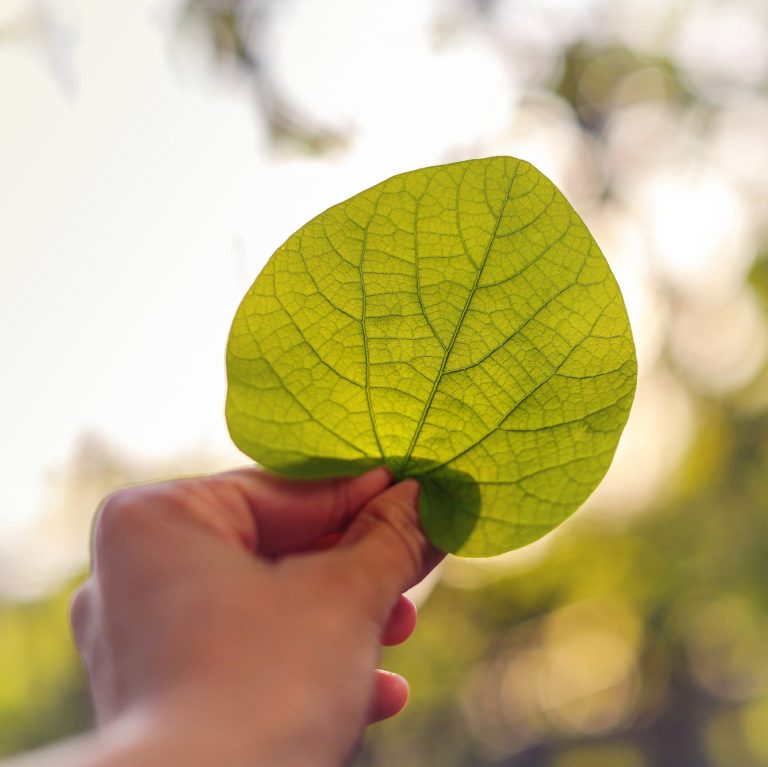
column 384, row 550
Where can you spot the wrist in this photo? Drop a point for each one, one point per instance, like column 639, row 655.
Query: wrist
column 148, row 741
column 204, row 735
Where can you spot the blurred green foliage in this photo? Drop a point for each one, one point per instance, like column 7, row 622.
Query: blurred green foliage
column 42, row 685
column 646, row 645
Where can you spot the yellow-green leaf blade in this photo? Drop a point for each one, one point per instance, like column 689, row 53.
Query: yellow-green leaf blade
column 458, row 323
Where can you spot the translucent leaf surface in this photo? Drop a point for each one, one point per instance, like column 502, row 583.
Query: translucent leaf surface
column 458, row 323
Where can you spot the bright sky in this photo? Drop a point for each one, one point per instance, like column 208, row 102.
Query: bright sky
column 139, row 197
column 122, row 200
column 137, row 206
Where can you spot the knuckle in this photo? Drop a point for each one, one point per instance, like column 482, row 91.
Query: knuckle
column 78, row 604
column 212, row 503
column 114, row 512
column 131, row 511
column 79, row 612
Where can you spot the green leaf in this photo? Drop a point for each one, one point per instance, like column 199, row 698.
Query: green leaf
column 458, row 323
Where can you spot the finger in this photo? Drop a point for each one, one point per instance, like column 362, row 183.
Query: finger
column 390, row 694
column 291, row 515
column 384, row 552
column 401, row 622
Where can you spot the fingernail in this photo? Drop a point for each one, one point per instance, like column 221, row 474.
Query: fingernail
column 410, row 489
column 383, row 471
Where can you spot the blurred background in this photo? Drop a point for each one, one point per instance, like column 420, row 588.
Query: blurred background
column 154, row 153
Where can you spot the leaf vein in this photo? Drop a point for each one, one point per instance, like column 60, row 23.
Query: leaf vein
column 451, row 343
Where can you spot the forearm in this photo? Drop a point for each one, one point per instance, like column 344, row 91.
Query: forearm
column 101, row 749
column 137, row 744
column 124, row 744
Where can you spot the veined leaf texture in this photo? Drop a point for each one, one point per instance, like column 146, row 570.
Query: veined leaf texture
column 458, row 323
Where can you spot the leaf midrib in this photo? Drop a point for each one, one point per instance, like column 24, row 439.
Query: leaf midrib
column 449, row 347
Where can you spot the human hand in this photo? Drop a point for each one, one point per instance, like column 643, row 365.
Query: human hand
column 212, row 634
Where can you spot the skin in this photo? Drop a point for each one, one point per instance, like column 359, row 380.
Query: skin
column 237, row 619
